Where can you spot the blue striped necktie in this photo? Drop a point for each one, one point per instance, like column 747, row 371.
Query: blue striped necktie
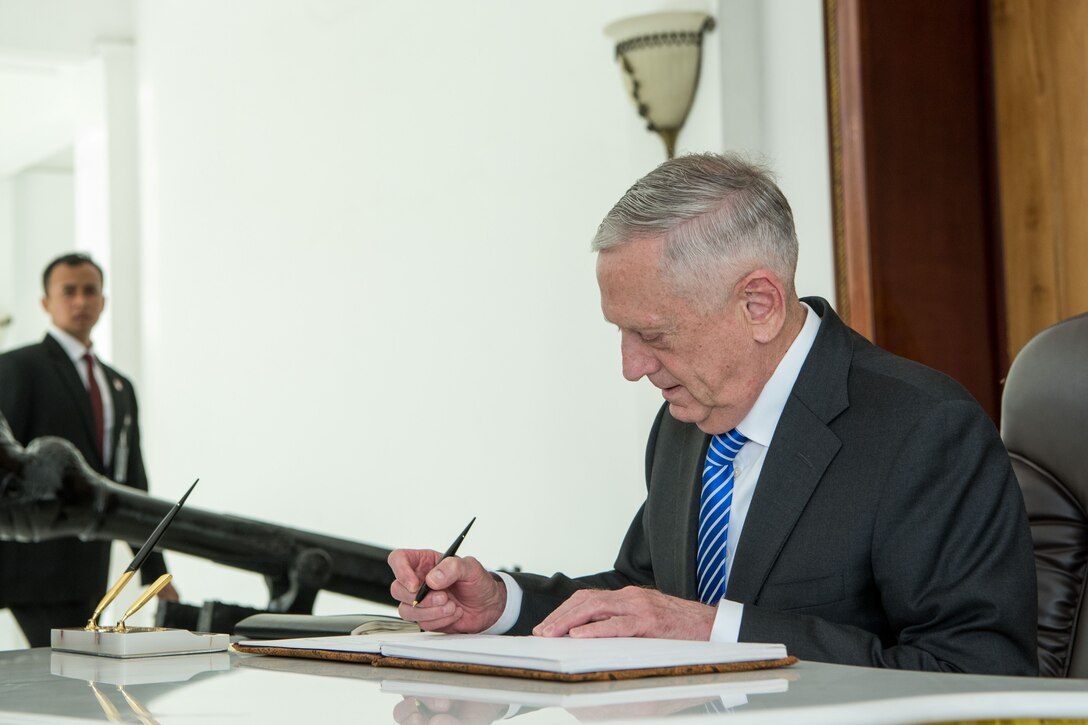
column 714, row 507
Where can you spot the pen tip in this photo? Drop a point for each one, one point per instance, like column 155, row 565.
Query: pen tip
column 188, row 492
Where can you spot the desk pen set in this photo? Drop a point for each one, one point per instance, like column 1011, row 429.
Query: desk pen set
column 124, row 641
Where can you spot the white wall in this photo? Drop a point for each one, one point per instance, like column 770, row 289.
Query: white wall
column 774, row 105
column 43, row 226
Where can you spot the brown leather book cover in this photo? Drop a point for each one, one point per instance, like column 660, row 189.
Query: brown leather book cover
column 379, row 661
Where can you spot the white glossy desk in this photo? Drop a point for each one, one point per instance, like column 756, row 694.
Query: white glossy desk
column 39, row 686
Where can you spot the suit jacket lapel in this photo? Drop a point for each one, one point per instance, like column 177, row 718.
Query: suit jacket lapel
column 799, row 454
column 674, row 503
column 690, row 465
column 66, row 371
column 801, row 450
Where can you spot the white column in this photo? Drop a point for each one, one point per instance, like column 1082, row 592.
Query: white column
column 91, row 190
column 122, row 168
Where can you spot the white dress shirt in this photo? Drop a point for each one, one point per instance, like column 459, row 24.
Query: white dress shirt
column 76, row 350
column 758, row 426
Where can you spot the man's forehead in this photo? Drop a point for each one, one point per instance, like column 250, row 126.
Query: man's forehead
column 634, row 305
column 75, row 275
column 641, row 321
column 635, row 293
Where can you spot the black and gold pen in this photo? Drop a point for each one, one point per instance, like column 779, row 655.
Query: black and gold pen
column 424, row 589
column 137, row 561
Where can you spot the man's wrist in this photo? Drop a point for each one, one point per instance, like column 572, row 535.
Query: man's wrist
column 512, row 610
column 727, row 622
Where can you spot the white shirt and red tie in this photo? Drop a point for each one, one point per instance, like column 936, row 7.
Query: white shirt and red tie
column 97, row 386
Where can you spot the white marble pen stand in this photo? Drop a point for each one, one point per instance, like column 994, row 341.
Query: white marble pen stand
column 136, row 671
column 137, row 642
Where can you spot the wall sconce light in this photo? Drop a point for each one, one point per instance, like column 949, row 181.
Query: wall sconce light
column 659, row 56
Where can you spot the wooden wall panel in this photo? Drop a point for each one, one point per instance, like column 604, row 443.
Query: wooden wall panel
column 923, row 170
column 853, row 265
column 1041, row 80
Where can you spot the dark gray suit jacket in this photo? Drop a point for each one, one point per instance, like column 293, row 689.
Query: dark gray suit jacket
column 41, row 394
column 886, row 528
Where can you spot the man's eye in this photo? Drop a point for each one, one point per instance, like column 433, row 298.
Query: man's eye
column 651, row 339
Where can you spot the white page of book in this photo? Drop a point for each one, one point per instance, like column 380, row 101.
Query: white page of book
column 573, row 656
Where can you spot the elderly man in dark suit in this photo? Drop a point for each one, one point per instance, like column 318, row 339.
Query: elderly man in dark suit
column 59, row 387
column 803, row 485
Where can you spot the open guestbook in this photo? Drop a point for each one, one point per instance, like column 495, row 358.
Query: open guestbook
column 561, row 658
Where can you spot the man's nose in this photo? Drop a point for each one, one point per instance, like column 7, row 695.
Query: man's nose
column 638, row 359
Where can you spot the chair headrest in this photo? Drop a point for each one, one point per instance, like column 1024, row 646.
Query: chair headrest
column 1044, row 409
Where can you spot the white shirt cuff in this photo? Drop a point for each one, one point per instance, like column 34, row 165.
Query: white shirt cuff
column 727, row 622
column 513, row 606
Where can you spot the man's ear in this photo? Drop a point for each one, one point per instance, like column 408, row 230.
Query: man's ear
column 765, row 304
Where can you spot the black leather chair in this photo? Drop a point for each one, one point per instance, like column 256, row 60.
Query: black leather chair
column 1044, row 423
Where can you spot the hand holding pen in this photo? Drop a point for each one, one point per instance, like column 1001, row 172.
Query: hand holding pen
column 463, row 596
column 423, row 589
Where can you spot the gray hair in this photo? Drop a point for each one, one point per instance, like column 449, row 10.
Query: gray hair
column 718, row 214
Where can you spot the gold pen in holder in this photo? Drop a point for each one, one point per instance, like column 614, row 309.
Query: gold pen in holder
column 143, row 599
column 111, row 594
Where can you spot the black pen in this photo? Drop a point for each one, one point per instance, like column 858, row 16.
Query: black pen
column 424, row 590
column 138, row 560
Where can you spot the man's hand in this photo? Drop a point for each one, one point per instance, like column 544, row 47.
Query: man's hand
column 168, row 594
column 464, row 596
column 629, row 612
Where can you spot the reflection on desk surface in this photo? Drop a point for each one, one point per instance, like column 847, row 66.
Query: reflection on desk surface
column 142, row 671
column 35, row 688
column 536, row 693
column 450, row 693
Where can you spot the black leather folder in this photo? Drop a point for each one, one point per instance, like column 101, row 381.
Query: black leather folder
column 288, row 626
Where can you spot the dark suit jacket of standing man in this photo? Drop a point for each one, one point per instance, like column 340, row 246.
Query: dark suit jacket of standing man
column 886, row 529
column 41, row 394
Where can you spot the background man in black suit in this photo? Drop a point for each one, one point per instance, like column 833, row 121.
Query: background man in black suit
column 49, row 389
column 874, row 517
